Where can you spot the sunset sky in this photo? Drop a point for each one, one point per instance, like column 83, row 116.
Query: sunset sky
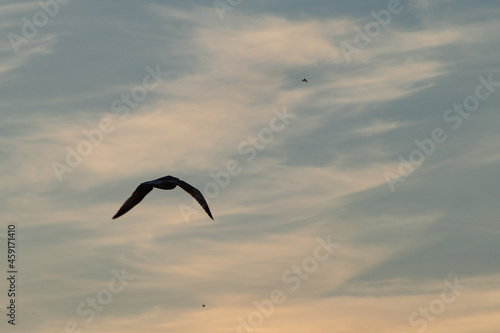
column 363, row 200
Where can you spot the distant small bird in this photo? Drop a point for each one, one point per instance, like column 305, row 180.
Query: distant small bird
column 163, row 183
column 305, row 80
column 203, row 305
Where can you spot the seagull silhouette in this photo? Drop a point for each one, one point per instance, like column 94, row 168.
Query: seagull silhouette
column 163, row 183
column 305, row 80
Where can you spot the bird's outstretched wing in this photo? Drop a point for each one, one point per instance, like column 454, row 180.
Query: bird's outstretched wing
column 140, row 192
column 195, row 194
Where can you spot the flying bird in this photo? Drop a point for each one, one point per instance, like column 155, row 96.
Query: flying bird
column 163, row 183
column 305, row 80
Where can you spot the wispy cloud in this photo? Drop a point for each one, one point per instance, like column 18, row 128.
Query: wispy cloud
column 321, row 175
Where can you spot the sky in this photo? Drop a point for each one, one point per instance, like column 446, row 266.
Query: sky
column 363, row 200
